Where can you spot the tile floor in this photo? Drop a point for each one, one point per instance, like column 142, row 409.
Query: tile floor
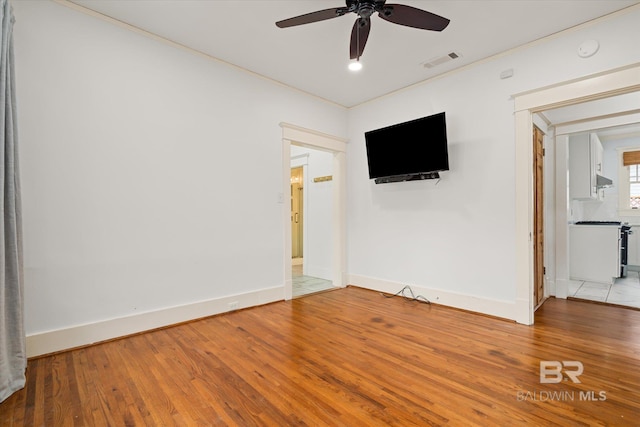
column 624, row 291
column 304, row 285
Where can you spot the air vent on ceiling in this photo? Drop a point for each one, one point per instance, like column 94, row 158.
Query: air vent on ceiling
column 438, row 60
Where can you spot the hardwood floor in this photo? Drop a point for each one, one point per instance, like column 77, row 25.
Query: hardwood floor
column 348, row 357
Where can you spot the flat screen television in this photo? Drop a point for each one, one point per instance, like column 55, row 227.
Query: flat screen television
column 408, row 151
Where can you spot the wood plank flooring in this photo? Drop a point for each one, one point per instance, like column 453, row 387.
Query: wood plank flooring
column 348, row 357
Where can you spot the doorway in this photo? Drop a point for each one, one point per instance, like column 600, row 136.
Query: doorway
column 598, row 86
column 332, row 185
column 310, row 202
column 615, row 122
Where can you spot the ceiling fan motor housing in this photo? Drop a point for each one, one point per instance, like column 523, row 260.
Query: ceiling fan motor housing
column 366, row 8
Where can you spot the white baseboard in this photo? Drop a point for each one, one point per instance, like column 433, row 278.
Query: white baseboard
column 82, row 335
column 488, row 306
column 549, row 287
column 562, row 288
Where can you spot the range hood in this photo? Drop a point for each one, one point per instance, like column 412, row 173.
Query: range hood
column 603, row 182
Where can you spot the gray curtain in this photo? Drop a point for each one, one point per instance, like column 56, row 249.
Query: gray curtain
column 13, row 360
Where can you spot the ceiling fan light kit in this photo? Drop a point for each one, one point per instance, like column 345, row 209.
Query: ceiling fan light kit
column 395, row 13
column 355, row 66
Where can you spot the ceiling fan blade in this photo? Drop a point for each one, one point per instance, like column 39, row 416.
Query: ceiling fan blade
column 413, row 17
column 308, row 18
column 359, row 36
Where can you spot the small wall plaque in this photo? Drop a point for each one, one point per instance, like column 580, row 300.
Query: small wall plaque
column 323, row 178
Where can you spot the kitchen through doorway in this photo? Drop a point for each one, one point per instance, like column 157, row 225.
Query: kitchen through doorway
column 603, row 239
column 594, row 87
column 587, row 139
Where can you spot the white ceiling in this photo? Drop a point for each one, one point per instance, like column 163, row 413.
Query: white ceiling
column 314, row 57
column 612, row 117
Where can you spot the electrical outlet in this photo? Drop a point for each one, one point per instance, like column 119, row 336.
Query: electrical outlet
column 233, row 305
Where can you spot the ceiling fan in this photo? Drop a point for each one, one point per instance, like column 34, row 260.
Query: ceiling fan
column 396, row 13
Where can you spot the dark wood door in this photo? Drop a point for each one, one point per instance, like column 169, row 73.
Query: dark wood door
column 538, row 219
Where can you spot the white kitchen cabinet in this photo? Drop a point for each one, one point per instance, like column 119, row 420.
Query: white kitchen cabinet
column 597, row 153
column 585, row 163
column 594, row 253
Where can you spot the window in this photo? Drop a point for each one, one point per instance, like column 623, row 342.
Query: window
column 629, row 179
column 634, row 187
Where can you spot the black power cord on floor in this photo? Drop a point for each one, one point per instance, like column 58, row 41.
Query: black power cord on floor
column 411, row 296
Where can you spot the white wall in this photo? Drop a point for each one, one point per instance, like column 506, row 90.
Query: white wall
column 151, row 176
column 319, row 214
column 455, row 241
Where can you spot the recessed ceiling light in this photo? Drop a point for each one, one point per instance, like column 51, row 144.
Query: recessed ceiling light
column 355, row 66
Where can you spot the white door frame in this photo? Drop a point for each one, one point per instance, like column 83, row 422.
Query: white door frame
column 602, row 85
column 337, row 146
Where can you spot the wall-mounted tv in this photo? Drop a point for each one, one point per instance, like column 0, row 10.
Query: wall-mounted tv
column 408, row 151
